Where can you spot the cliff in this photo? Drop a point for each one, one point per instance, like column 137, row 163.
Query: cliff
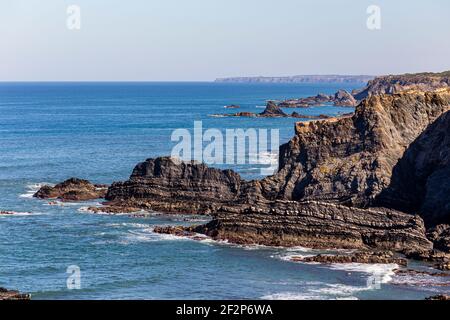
column 397, row 83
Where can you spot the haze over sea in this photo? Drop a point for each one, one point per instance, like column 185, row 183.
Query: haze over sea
column 100, row 131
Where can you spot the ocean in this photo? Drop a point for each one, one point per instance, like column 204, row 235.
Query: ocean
column 99, row 131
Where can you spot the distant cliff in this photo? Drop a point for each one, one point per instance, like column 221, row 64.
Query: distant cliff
column 300, row 79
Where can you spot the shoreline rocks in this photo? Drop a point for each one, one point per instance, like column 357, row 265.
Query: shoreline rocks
column 171, row 186
column 365, row 257
column 274, row 111
column 73, row 189
column 6, row 294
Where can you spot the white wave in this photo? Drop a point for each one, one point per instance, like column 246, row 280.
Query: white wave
column 21, row 214
column 32, row 188
column 384, row 272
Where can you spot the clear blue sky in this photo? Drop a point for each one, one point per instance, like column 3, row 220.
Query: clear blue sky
column 205, row 39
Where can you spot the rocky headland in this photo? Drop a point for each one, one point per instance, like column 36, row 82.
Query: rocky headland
column 375, row 180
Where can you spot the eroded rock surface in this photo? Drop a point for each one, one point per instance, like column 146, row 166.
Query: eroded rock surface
column 350, row 160
column 366, row 257
column 168, row 185
column 6, row 294
column 317, row 225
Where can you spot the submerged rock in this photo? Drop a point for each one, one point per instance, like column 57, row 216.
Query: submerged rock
column 73, row 189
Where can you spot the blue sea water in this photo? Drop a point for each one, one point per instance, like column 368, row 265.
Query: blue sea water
column 100, row 131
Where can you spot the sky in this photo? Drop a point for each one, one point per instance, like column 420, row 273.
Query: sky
column 200, row 40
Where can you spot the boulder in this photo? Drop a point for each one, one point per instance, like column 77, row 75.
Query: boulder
column 73, row 189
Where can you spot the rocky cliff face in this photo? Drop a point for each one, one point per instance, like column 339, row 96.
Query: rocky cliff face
column 421, row 179
column 350, row 160
column 6, row 294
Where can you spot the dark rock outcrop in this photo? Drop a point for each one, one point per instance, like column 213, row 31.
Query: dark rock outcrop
column 333, row 176
column 6, row 294
column 441, row 297
column 344, row 99
column 168, row 185
column 307, row 102
column 350, row 160
column 73, row 189
column 272, row 110
column 381, row 257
